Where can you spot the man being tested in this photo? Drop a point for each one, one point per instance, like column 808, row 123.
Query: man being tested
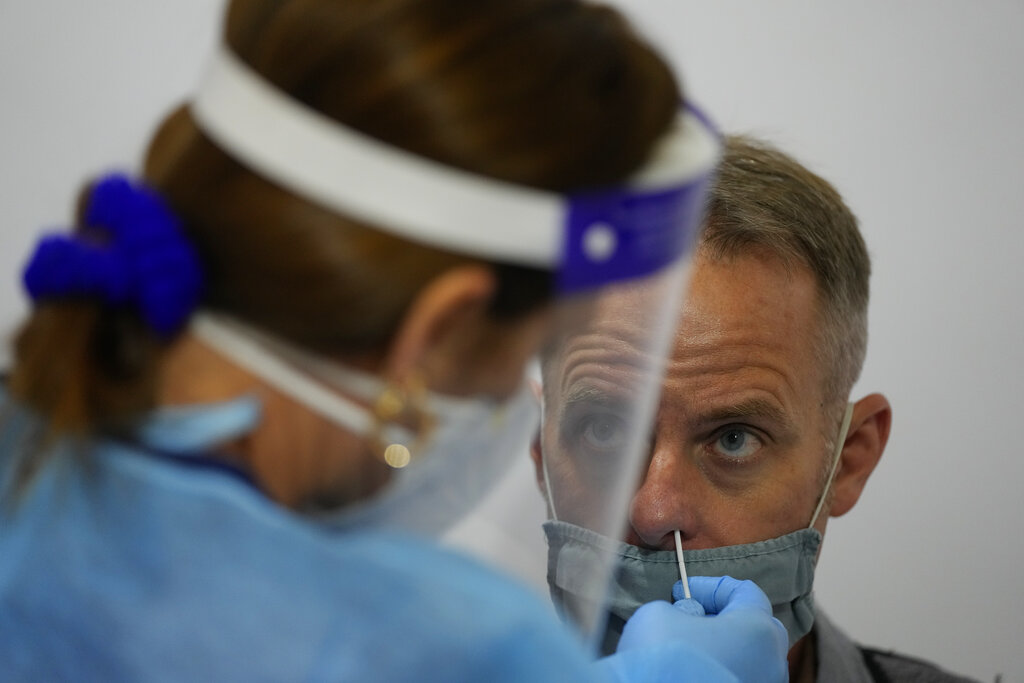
column 754, row 445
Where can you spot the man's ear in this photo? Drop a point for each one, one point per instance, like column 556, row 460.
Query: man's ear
column 447, row 308
column 537, row 455
column 865, row 442
column 537, row 452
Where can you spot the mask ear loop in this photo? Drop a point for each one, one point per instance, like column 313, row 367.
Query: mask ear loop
column 835, row 461
column 544, row 466
column 243, row 348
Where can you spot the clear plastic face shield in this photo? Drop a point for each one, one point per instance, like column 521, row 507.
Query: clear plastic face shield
column 602, row 379
column 619, row 256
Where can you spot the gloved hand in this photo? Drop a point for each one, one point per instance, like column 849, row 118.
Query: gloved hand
column 665, row 663
column 739, row 631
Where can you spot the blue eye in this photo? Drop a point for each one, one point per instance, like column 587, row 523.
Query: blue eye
column 737, row 444
column 603, row 432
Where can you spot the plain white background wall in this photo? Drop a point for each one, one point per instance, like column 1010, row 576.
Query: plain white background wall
column 913, row 110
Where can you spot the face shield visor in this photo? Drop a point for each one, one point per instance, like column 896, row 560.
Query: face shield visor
column 619, row 257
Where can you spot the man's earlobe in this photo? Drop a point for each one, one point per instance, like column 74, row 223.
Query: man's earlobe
column 865, row 442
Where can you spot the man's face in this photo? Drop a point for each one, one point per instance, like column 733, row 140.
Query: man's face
column 738, row 452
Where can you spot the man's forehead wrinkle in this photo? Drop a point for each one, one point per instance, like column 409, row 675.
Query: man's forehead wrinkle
column 605, row 365
column 609, row 349
column 727, row 349
column 713, row 353
column 589, row 393
column 713, row 372
column 715, row 392
column 699, row 322
column 751, row 345
column 626, row 327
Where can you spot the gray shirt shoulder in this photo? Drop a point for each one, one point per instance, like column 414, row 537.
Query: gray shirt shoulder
column 840, row 660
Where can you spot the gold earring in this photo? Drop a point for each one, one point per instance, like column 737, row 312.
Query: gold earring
column 404, row 404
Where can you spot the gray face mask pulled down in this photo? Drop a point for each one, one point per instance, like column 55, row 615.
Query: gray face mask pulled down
column 782, row 567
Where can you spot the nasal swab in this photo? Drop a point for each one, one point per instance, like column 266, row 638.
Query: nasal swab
column 682, row 566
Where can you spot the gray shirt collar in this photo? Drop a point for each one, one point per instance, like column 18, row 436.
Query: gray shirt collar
column 839, row 658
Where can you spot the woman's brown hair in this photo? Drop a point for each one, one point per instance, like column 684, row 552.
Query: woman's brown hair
column 554, row 94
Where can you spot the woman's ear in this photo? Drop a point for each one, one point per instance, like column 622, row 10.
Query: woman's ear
column 448, row 309
column 865, row 442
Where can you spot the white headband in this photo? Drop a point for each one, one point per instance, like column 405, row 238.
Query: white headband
column 351, row 173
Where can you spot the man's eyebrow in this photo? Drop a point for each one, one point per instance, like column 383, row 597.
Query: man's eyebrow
column 751, row 407
column 586, row 393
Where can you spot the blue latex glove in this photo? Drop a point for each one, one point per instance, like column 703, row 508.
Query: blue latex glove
column 665, row 663
column 738, row 631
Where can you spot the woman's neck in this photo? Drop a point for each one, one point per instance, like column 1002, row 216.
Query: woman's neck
column 297, row 457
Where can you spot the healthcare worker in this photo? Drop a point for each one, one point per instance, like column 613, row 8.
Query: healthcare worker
column 259, row 381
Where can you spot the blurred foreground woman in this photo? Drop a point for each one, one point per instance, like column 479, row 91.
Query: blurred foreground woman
column 258, row 381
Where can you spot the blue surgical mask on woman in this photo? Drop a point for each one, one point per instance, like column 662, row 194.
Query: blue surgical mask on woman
column 437, row 477
column 197, row 429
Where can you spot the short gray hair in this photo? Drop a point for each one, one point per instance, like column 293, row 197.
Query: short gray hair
column 763, row 199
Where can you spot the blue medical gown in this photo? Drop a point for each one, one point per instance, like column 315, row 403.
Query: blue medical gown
column 117, row 565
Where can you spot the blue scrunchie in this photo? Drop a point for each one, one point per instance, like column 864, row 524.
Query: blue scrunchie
column 145, row 261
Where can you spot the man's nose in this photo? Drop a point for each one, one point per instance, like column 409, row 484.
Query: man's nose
column 665, row 501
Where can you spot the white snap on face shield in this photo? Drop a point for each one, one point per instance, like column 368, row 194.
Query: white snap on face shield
column 618, row 255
